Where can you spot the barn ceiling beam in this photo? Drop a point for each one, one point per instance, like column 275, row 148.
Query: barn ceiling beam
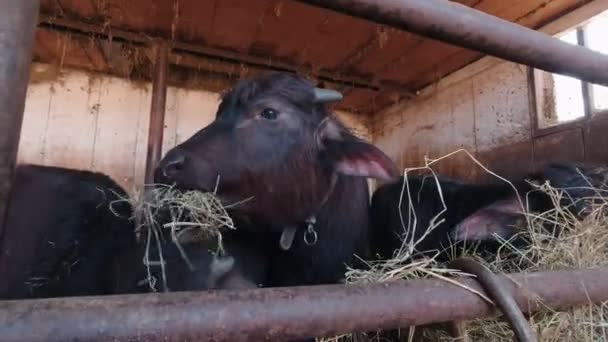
column 287, row 313
column 17, row 25
column 463, row 26
column 220, row 55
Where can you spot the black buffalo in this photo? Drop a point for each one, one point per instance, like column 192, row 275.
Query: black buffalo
column 482, row 214
column 581, row 185
column 396, row 218
column 63, row 229
column 275, row 146
column 194, row 266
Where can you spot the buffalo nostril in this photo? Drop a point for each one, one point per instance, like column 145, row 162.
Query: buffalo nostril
column 174, row 166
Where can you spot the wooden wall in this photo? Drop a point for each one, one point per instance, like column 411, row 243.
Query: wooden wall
column 481, row 114
column 488, row 109
column 94, row 122
column 490, row 114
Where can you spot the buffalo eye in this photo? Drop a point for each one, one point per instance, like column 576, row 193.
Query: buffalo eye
column 269, row 113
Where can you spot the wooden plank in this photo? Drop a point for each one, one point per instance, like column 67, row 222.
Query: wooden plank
column 141, row 134
column 195, row 20
column 559, row 147
column 509, row 161
column 358, row 123
column 61, row 49
column 390, row 120
column 115, row 142
column 35, row 118
column 171, row 120
column 235, row 23
column 509, row 10
column 196, row 110
column 406, row 68
column 549, row 11
column 359, row 99
column 72, row 122
column 462, row 134
column 290, row 30
column 596, row 141
column 502, row 110
column 462, row 103
column 325, row 46
column 395, row 45
column 47, row 6
column 73, row 8
column 230, row 63
column 139, row 15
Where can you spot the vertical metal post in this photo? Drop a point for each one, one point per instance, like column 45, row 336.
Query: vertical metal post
column 157, row 110
column 18, row 21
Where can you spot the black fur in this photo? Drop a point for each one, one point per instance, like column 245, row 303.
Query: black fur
column 285, row 166
column 461, row 200
column 61, row 235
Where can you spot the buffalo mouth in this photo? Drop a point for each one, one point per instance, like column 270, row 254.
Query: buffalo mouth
column 162, row 181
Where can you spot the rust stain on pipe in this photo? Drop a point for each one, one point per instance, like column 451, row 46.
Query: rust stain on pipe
column 157, row 109
column 283, row 313
column 464, row 26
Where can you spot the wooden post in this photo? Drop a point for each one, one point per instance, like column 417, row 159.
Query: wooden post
column 18, row 20
column 157, row 110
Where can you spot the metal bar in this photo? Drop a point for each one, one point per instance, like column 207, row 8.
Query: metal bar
column 17, row 24
column 284, row 313
column 494, row 288
column 157, row 109
column 464, row 26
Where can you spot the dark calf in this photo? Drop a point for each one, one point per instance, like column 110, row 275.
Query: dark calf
column 580, row 185
column 62, row 232
column 396, row 218
column 190, row 264
column 241, row 268
column 274, row 142
column 461, row 201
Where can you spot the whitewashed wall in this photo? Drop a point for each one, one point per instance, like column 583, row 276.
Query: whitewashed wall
column 482, row 112
column 95, row 122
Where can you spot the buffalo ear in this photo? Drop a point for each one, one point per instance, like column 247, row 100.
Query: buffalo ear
column 492, row 222
column 352, row 156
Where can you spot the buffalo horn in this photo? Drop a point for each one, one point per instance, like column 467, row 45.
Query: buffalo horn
column 327, row 95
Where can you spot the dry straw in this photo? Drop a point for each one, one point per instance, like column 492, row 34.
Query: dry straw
column 581, row 243
column 186, row 217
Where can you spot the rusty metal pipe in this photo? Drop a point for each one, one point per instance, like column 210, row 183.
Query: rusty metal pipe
column 464, row 26
column 283, row 313
column 157, row 109
column 17, row 24
column 494, row 287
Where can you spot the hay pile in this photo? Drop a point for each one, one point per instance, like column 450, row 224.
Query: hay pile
column 185, row 217
column 581, row 243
